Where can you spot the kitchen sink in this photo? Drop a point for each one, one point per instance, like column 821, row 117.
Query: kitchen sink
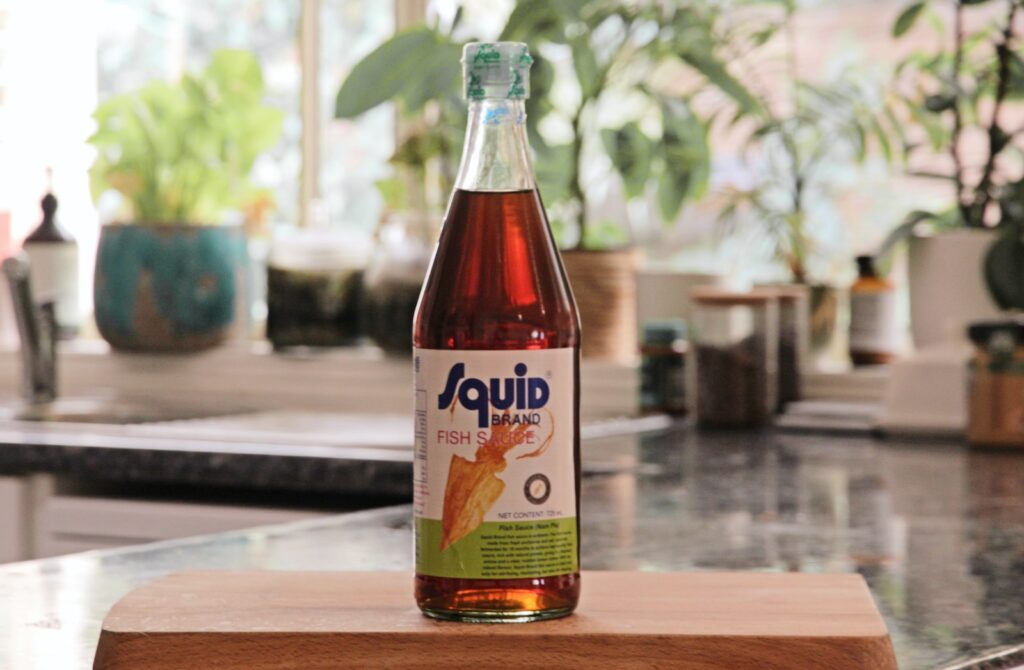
column 112, row 411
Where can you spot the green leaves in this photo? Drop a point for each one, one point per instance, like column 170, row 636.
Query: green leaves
column 542, row 78
column 686, row 159
column 977, row 72
column 631, row 153
column 716, row 73
column 235, row 75
column 905, row 21
column 417, row 149
column 882, row 136
column 1015, row 90
column 535, row 21
column 939, row 102
column 903, row 231
column 588, row 74
column 393, row 191
column 605, row 234
column 414, row 66
column 937, row 133
column 680, row 161
column 554, row 165
column 183, row 152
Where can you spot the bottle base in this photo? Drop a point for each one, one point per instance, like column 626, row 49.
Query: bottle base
column 496, row 616
column 497, row 600
column 866, row 358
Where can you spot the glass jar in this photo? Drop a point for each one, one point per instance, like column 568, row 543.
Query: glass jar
column 314, row 284
column 736, row 351
column 663, row 367
column 996, row 374
column 394, row 277
column 794, row 340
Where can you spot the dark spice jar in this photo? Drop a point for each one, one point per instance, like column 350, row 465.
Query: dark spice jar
column 314, row 290
column 794, row 341
column 393, row 280
column 996, row 374
column 736, row 350
column 663, row 367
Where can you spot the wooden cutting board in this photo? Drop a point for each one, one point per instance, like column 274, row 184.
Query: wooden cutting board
column 319, row 620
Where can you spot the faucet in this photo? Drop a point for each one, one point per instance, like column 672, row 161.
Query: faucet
column 37, row 326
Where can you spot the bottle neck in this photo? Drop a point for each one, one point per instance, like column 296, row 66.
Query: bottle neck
column 866, row 267
column 495, row 156
column 49, row 230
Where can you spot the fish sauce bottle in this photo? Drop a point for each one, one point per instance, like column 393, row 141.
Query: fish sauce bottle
column 496, row 355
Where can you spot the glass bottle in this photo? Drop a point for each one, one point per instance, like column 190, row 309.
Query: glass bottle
column 53, row 263
column 794, row 335
column 496, row 354
column 874, row 332
column 663, row 350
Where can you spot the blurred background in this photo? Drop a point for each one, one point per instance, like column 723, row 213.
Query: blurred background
column 821, row 197
column 760, row 142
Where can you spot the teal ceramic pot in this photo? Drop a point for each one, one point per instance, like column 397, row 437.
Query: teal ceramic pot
column 167, row 287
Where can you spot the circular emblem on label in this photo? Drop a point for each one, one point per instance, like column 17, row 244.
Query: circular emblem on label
column 537, row 489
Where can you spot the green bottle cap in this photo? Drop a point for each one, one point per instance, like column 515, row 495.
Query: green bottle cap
column 496, row 70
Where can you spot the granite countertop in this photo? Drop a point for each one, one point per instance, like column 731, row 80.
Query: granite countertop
column 936, row 529
column 285, row 450
column 101, row 455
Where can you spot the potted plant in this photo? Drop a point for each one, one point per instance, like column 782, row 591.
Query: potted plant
column 179, row 154
column 962, row 99
column 1004, row 260
column 660, row 151
column 419, row 70
column 800, row 141
column 996, row 378
column 657, row 149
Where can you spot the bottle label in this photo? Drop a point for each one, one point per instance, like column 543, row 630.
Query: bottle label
column 495, row 474
column 873, row 325
column 53, row 272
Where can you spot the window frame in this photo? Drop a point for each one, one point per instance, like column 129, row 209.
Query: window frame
column 407, row 13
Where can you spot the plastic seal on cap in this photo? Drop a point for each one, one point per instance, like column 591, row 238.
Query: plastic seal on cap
column 496, row 70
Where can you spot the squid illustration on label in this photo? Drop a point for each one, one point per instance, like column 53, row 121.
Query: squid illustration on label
column 473, row 486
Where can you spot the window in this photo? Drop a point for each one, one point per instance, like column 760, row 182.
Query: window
column 141, row 40
column 353, row 154
column 108, row 47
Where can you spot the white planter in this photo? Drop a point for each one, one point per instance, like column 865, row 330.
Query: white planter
column 603, row 283
column 947, row 287
column 664, row 294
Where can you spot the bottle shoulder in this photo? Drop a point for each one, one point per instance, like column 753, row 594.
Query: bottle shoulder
column 871, row 285
column 49, row 232
column 479, row 321
column 496, row 280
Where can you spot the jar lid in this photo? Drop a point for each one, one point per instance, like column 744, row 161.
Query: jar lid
column 725, row 298
column 319, row 250
column 981, row 332
column 786, row 293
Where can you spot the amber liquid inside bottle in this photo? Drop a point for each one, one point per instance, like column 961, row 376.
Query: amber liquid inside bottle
column 872, row 315
column 497, row 283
